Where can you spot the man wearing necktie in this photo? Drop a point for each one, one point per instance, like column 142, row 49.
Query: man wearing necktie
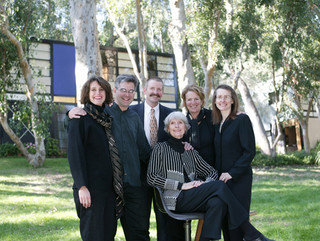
column 152, row 114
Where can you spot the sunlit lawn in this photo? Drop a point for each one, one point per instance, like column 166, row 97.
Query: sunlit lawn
column 37, row 204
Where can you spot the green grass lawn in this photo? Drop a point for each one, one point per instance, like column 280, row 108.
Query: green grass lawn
column 37, row 204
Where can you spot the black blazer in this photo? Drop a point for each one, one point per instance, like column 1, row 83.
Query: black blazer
column 235, row 146
column 164, row 112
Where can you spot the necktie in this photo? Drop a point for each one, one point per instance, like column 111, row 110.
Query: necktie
column 153, row 129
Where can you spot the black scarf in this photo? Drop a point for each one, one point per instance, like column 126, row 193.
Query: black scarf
column 194, row 130
column 104, row 119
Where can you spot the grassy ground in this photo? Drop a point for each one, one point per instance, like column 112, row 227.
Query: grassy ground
column 37, row 204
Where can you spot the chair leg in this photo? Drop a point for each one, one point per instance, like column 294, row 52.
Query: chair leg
column 199, row 229
column 187, row 230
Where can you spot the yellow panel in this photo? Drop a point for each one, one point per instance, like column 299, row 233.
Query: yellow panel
column 40, row 63
column 64, row 99
column 124, row 56
column 165, row 67
column 40, row 47
column 125, row 63
column 43, row 80
column 35, row 54
column 165, row 75
column 168, row 97
column 164, row 60
column 126, row 71
column 169, row 90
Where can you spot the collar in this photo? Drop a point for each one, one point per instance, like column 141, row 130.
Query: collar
column 148, row 108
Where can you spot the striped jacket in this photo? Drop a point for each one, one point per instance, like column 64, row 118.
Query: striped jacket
column 166, row 166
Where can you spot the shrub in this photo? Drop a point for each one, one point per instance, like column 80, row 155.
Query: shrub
column 31, row 148
column 8, row 149
column 52, row 147
column 294, row 158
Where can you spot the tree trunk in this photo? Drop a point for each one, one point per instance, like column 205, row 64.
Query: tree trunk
column 318, row 107
column 304, row 122
column 85, row 37
column 39, row 158
column 253, row 113
column 213, row 54
column 177, row 34
column 142, row 47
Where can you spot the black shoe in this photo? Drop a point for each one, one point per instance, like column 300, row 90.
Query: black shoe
column 262, row 238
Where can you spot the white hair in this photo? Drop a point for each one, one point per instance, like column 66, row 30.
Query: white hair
column 178, row 116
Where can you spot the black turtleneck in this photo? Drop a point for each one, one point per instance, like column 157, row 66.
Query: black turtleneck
column 176, row 144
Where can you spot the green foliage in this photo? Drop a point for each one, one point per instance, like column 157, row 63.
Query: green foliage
column 8, row 149
column 52, row 147
column 294, row 158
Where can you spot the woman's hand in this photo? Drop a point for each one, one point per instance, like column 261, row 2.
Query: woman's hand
column 225, row 177
column 189, row 185
column 84, row 197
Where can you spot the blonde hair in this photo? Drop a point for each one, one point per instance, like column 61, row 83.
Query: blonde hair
column 193, row 88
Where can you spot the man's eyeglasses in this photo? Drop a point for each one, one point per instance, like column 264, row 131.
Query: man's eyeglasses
column 124, row 91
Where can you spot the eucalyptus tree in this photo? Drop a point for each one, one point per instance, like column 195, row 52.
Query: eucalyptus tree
column 85, row 38
column 121, row 15
column 223, row 33
column 294, row 33
column 20, row 20
column 179, row 40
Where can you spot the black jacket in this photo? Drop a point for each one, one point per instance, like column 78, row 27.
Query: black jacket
column 235, row 146
column 88, row 154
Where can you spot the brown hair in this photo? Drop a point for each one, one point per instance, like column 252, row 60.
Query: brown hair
column 103, row 83
column 155, row 78
column 216, row 113
column 193, row 88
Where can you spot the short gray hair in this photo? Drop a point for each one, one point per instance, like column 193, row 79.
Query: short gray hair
column 126, row 78
column 178, row 116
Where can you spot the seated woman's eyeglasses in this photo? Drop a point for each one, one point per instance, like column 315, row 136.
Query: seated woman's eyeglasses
column 123, row 90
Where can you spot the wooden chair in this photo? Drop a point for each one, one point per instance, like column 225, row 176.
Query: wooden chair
column 187, row 217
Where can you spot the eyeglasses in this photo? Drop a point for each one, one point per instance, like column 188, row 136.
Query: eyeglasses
column 124, row 91
column 224, row 97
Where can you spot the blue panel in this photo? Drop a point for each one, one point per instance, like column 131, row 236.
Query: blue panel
column 64, row 81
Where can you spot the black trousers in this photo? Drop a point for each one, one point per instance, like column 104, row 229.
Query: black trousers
column 135, row 218
column 217, row 201
column 97, row 222
column 168, row 229
column 242, row 191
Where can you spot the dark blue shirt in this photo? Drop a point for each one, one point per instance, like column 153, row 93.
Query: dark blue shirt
column 131, row 141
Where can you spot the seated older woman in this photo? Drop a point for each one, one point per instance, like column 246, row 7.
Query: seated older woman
column 190, row 184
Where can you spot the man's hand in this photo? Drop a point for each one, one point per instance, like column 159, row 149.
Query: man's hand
column 84, row 197
column 189, row 185
column 76, row 112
